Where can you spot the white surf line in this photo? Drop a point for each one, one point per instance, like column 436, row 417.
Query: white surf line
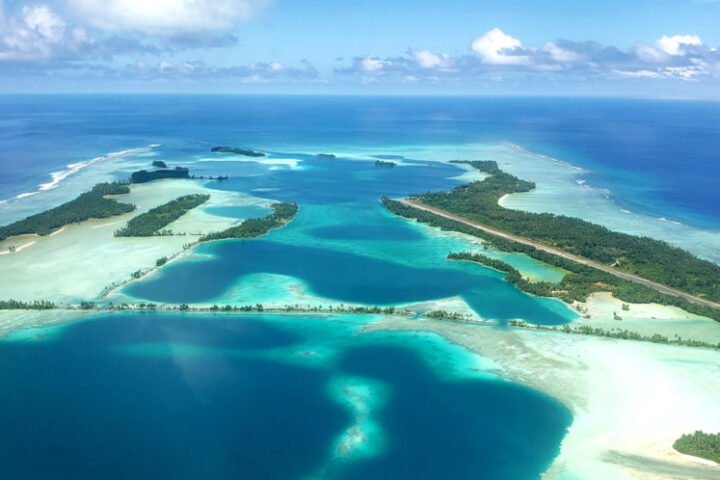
column 73, row 168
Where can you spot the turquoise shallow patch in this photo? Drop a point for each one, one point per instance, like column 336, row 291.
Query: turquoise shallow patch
column 243, row 211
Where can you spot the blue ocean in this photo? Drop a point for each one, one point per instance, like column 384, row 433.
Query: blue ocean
column 655, row 156
column 264, row 396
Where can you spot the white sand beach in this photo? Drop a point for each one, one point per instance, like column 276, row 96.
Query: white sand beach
column 602, row 310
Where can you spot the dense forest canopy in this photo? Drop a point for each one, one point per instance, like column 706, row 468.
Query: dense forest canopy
column 92, row 204
column 577, row 284
column 649, row 258
column 255, row 227
column 700, row 444
column 239, row 151
column 153, row 221
column 143, row 176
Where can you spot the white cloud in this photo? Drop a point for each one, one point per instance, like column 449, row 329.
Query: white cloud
column 494, row 46
column 38, row 33
column 674, row 45
column 165, row 17
column 427, row 59
column 372, row 63
column 44, row 22
column 561, row 55
column 637, row 74
column 649, row 54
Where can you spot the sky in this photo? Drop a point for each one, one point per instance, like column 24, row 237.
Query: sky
column 643, row 48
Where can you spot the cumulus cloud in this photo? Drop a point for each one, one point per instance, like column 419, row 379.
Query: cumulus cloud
column 165, row 17
column 497, row 55
column 560, row 54
column 497, row 48
column 372, row 64
column 430, row 60
column 677, row 44
column 38, row 33
column 255, row 72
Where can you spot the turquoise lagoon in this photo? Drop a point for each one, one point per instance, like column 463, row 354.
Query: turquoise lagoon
column 345, row 247
column 133, row 395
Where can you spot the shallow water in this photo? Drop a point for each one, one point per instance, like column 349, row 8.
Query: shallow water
column 234, row 396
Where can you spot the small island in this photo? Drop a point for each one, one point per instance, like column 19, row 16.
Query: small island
column 92, row 204
column 384, row 163
column 153, row 221
column 159, row 164
column 255, row 227
column 239, row 151
column 325, row 155
column 143, row 176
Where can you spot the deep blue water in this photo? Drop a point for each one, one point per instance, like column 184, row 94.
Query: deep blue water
column 340, row 276
column 660, row 157
column 326, row 181
column 198, row 396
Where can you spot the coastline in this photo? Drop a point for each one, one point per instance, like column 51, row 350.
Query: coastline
column 560, row 189
column 620, row 413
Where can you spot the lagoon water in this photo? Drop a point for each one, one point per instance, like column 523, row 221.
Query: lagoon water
column 302, row 396
column 344, row 246
column 236, row 396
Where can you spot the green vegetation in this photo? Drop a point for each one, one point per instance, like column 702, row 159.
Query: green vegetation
column 326, row 155
column 159, row 164
column 240, row 151
column 151, row 222
column 256, row 227
column 18, row 305
column 649, row 258
column 445, row 315
column 618, row 334
column 700, row 444
column 92, row 204
column 143, row 176
column 383, row 163
column 161, row 261
column 581, row 281
column 259, row 307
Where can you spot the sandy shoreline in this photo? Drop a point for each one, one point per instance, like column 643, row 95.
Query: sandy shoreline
column 630, row 400
column 81, row 261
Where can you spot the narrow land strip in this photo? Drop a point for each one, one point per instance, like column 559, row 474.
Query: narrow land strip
column 581, row 260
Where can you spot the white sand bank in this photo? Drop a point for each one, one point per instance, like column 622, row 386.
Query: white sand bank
column 646, row 319
column 630, row 400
